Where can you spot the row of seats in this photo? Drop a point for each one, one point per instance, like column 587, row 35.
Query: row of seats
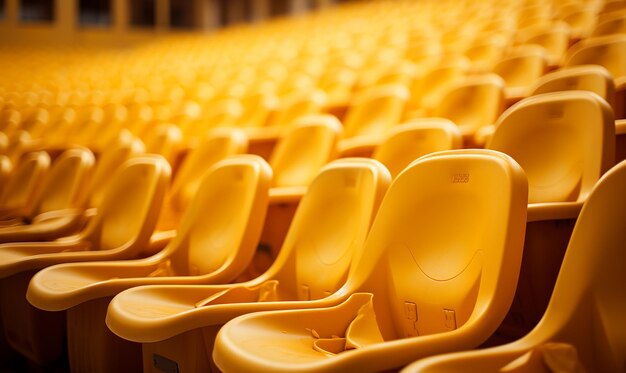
column 351, row 258
column 124, row 223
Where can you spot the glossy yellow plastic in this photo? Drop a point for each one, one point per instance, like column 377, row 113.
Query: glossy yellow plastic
column 109, row 161
column 215, row 243
column 216, row 145
column 371, row 114
column 166, row 140
column 291, row 107
column 520, row 69
column 583, row 327
column 485, row 54
column 19, row 195
column 554, row 37
column 63, row 190
column 6, row 169
column 301, row 152
column 593, row 78
column 438, row 274
column 296, row 105
column 475, row 102
column 411, row 140
column 324, row 241
column 123, row 225
column 427, row 91
column 614, row 24
column 564, row 141
column 608, row 51
column 310, row 143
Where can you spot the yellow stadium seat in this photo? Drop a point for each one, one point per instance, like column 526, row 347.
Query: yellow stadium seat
column 581, row 21
column 300, row 154
column 214, row 244
column 122, row 227
column 582, row 329
column 519, row 70
column 64, row 188
column 296, row 105
column 427, row 91
column 310, row 143
column 4, row 144
column 109, row 161
column 611, row 25
column 593, row 78
column 611, row 6
column 564, row 141
column 216, row 145
column 324, row 240
column 18, row 197
column 608, row 51
column 411, row 140
column 6, row 169
column 290, row 108
column 420, row 290
column 475, row 102
column 257, row 109
column 166, row 140
column 554, row 37
column 484, row 55
column 371, row 114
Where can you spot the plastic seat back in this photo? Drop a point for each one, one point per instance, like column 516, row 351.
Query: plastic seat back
column 610, row 26
column 329, row 228
column 427, row 91
column 108, row 163
column 409, row 141
column 593, row 78
column 217, row 145
column 522, row 66
column 553, row 37
column 608, row 51
column 564, row 141
column 445, row 248
column 301, row 153
column 375, row 111
column 443, row 255
column 65, row 184
column 297, row 105
column 165, row 140
column 6, row 169
column 473, row 103
column 224, row 236
column 130, row 207
column 485, row 55
column 25, row 182
column 583, row 324
column 257, row 109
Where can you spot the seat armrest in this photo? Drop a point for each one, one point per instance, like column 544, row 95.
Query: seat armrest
column 553, row 211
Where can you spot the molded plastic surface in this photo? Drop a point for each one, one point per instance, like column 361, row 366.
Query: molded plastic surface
column 475, row 102
column 214, row 244
column 123, row 225
column 310, row 143
column 63, row 189
column 18, row 196
column 409, row 141
column 439, row 274
column 564, row 141
column 324, row 240
column 608, row 51
column 216, row 145
column 583, row 327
